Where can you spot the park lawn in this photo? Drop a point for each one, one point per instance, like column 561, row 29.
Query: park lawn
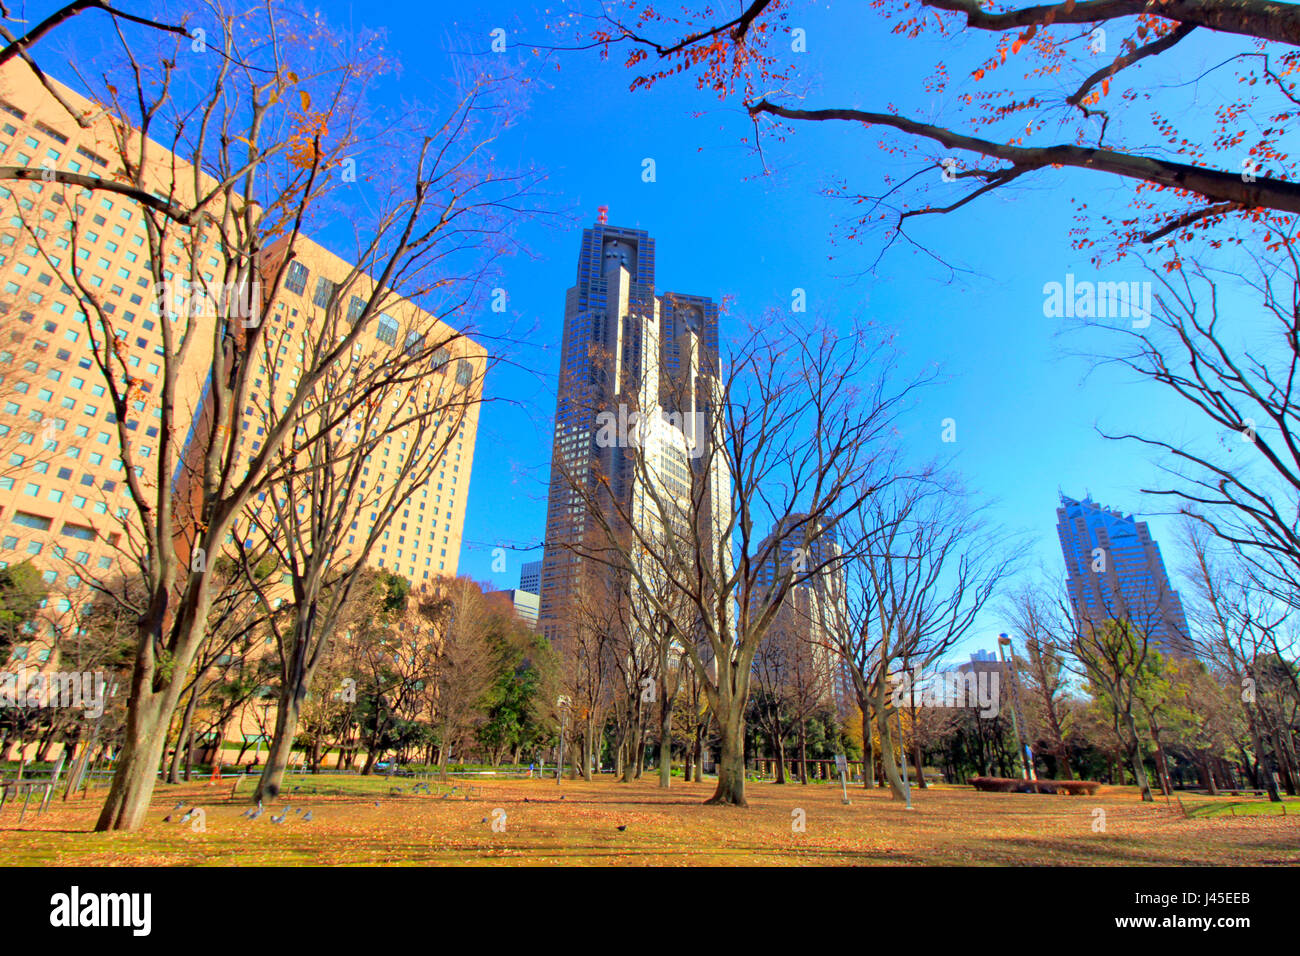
column 950, row 825
column 1244, row 807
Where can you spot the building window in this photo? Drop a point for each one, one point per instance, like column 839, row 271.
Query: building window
column 25, row 520
column 324, row 292
column 296, row 279
column 387, row 329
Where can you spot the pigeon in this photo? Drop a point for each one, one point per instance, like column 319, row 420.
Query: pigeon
column 167, row 819
column 376, row 803
column 295, row 789
column 622, row 828
column 484, row 820
column 188, row 813
column 178, row 806
column 280, row 818
column 255, row 814
column 306, row 817
column 561, row 796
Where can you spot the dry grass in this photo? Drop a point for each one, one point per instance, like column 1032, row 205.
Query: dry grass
column 949, row 826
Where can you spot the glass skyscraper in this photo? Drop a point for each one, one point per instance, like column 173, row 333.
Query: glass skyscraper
column 1114, row 571
column 625, row 352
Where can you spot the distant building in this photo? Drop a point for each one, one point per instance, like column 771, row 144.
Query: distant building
column 1114, row 571
column 812, row 608
column 524, row 602
column 530, row 577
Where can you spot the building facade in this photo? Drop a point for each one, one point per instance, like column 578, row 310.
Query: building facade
column 1114, row 571
column 813, row 607
column 64, row 501
column 634, row 418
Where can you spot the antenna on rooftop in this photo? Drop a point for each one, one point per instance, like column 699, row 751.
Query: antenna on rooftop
column 602, row 214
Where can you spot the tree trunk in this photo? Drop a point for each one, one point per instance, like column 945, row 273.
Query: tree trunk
column 136, row 774
column 666, row 742
column 803, row 753
column 588, row 746
column 633, row 734
column 1134, row 747
column 1262, row 768
column 731, row 756
column 1063, row 763
column 868, row 750
column 281, row 748
column 778, row 751
column 640, row 748
column 185, row 739
column 887, row 756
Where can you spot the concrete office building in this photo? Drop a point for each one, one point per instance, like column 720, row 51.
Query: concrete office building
column 64, row 504
column 525, row 604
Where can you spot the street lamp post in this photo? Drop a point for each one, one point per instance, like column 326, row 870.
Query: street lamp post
column 1004, row 642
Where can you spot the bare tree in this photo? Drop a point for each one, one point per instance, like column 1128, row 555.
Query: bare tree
column 1236, row 627
column 255, row 145
column 926, row 565
column 794, row 422
column 1046, row 677
column 1238, row 375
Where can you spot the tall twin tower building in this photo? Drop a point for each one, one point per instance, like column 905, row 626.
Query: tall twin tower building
column 635, row 426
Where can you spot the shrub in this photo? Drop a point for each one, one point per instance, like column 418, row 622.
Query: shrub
column 1010, row 785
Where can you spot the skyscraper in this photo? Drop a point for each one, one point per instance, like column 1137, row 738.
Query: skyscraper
column 641, row 366
column 530, row 577
column 1114, row 571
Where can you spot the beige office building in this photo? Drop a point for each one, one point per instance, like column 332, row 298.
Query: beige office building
column 63, row 502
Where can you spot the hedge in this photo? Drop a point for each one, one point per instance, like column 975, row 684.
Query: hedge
column 1009, row 785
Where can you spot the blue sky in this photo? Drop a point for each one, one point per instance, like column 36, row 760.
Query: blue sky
column 1025, row 414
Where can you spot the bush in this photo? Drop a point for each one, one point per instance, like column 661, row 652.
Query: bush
column 1009, row 785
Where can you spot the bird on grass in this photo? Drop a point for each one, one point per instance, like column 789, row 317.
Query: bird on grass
column 622, row 828
column 256, row 813
column 306, row 817
column 281, row 817
column 484, row 820
column 188, row 814
column 376, row 803
column 178, row 806
column 561, row 796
